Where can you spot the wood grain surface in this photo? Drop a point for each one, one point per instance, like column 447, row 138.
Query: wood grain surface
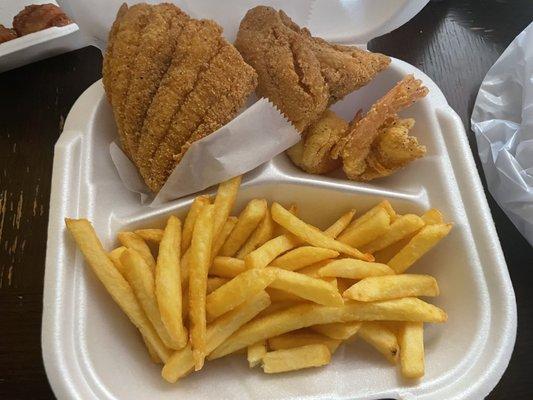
column 454, row 42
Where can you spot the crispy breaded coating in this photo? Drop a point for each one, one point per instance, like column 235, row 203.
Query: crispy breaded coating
column 198, row 43
column 157, row 41
column 124, row 46
column 355, row 147
column 226, row 72
column 312, row 153
column 7, row 34
column 301, row 74
column 392, row 150
column 171, row 80
column 36, row 17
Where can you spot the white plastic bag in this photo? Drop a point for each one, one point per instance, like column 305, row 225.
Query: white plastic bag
column 503, row 123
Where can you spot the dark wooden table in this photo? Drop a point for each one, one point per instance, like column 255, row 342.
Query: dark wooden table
column 454, row 42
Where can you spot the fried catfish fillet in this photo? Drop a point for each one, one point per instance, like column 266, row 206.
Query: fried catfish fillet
column 299, row 73
column 356, row 145
column 171, row 80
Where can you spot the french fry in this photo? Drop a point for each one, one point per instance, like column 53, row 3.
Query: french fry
column 313, row 355
column 305, row 315
column 399, row 229
column 141, row 279
column 223, row 235
column 263, row 233
column 152, row 353
column 377, row 288
column 150, row 235
column 332, row 282
column 338, row 330
column 278, row 229
column 182, row 361
column 135, row 242
column 312, row 270
column 255, row 353
column 302, row 257
column 200, row 258
column 302, row 338
column 248, row 221
column 411, row 339
column 384, row 205
column 114, row 256
column 353, row 269
column 227, row 267
column 168, row 289
column 188, row 225
column 315, row 290
column 312, row 235
column 277, row 306
column 367, row 231
column 263, row 255
column 83, row 233
column 237, row 291
column 213, row 283
column 432, row 217
column 419, row 245
column 224, row 201
column 338, row 226
column 281, row 296
column 381, row 338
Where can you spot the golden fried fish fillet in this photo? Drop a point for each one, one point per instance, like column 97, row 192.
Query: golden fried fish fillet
column 312, row 153
column 171, row 80
column 299, row 73
column 355, row 147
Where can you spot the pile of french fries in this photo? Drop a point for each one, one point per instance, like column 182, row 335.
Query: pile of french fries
column 269, row 284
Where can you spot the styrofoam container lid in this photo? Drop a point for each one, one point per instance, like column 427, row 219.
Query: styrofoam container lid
column 91, row 350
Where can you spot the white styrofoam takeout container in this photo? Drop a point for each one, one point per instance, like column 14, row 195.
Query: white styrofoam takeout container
column 91, row 350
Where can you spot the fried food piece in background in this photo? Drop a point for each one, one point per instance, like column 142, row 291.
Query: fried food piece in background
column 7, row 34
column 301, row 74
column 37, row 17
column 392, row 150
column 356, row 146
column 312, row 153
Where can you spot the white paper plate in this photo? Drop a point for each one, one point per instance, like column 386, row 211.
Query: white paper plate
column 91, row 350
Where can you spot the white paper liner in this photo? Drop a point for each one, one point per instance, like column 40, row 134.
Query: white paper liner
column 255, row 136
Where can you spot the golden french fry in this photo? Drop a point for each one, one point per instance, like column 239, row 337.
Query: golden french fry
column 142, row 281
column 278, row 229
column 281, row 296
column 150, row 235
column 367, row 231
column 399, row 229
column 338, row 226
column 411, row 339
column 305, row 315
column 83, row 233
column 227, row 267
column 381, row 338
column 214, row 283
column 312, row 235
column 332, row 282
column 223, row 235
column 248, row 221
column 277, row 306
column 263, row 255
column 182, row 361
column 315, row 290
column 114, row 256
column 377, row 288
column 237, row 291
column 200, row 258
column 419, row 245
column 312, row 270
column 302, row 338
column 255, row 353
column 224, row 201
column 313, row 355
column 353, row 269
column 384, row 205
column 338, row 330
column 188, row 225
column 432, row 217
column 302, row 257
column 263, row 233
column 168, row 289
column 135, row 242
column 151, row 351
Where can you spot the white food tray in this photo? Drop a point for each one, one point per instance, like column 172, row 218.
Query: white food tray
column 92, row 351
